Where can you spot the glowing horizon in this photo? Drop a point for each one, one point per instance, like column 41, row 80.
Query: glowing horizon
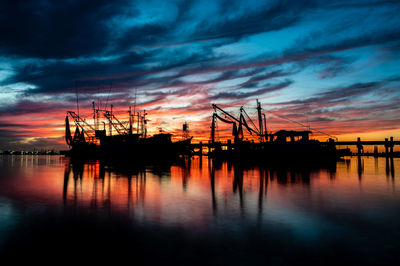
column 334, row 67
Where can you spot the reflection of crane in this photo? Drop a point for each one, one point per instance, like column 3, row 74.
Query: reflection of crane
column 237, row 130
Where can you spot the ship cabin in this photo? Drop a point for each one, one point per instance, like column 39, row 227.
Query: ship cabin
column 162, row 138
column 290, row 136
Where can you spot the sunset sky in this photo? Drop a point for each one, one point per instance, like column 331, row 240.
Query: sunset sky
column 333, row 65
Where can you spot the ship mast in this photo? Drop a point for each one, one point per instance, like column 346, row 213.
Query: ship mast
column 130, row 120
column 144, row 121
column 110, row 120
column 237, row 130
column 260, row 120
column 94, row 116
column 77, row 98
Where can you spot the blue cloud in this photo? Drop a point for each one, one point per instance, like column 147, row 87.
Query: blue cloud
column 302, row 51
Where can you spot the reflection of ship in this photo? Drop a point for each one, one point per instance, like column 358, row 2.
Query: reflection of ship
column 283, row 144
column 104, row 181
column 122, row 139
column 110, row 184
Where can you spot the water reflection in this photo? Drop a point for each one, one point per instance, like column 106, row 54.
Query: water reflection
column 236, row 189
column 390, row 167
column 351, row 205
column 360, row 167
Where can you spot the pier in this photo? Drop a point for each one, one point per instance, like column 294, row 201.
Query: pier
column 387, row 143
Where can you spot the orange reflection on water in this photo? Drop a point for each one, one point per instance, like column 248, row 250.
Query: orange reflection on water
column 200, row 193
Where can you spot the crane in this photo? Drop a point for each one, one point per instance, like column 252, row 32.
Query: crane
column 81, row 125
column 119, row 127
column 237, row 130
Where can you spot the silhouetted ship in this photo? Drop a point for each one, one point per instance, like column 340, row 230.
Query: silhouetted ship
column 130, row 139
column 121, row 140
column 282, row 145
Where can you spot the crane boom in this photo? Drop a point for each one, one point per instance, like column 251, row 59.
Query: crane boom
column 82, row 124
column 119, row 127
column 238, row 133
column 226, row 113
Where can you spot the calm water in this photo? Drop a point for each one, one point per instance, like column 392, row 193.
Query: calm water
column 199, row 211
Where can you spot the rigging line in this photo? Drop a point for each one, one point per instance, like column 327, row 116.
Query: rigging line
column 251, row 121
column 108, row 96
column 134, row 105
column 316, row 130
column 98, row 98
column 77, row 99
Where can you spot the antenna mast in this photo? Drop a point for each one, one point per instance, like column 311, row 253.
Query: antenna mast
column 77, row 98
column 105, row 107
column 260, row 120
column 130, row 120
column 134, row 103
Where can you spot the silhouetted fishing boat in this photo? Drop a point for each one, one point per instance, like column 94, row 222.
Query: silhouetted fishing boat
column 281, row 145
column 121, row 140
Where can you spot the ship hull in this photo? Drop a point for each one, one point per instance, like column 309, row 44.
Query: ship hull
column 130, row 148
column 279, row 152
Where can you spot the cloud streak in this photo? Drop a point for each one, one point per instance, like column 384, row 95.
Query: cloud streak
column 331, row 65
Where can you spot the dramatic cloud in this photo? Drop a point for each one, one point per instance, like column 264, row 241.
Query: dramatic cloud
column 332, row 66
